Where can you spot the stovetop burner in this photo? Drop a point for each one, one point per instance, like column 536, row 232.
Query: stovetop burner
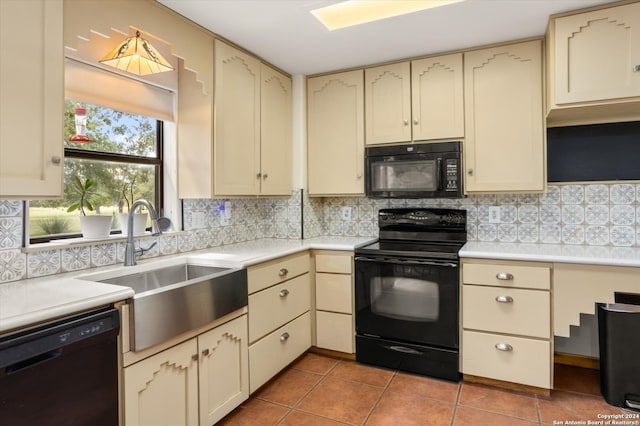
column 419, row 232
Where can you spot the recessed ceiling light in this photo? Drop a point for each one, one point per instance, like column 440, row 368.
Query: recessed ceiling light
column 355, row 12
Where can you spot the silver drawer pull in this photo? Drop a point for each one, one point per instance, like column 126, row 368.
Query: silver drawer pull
column 504, row 299
column 284, row 293
column 284, row 337
column 505, row 347
column 504, row 276
column 283, row 272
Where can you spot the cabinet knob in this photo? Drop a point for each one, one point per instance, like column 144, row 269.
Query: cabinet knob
column 284, row 293
column 56, row 160
column 259, row 175
column 504, row 276
column 504, row 299
column 205, row 352
column 636, row 68
column 194, row 357
column 505, row 347
column 406, row 122
column 470, row 172
column 284, row 337
column 415, row 122
column 283, row 272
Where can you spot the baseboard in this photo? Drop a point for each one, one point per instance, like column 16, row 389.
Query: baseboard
column 330, row 353
column 506, row 385
column 576, row 360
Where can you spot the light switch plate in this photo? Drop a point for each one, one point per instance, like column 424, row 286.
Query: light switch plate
column 494, row 214
column 346, row 213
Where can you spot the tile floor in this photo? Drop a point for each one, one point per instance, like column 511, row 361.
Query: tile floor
column 319, row 390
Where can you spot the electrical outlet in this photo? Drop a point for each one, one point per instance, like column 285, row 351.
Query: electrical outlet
column 494, row 214
column 346, row 213
column 197, row 219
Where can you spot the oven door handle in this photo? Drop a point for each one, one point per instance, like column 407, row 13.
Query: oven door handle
column 407, row 261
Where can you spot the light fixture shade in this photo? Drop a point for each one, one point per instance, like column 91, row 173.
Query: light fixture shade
column 136, row 55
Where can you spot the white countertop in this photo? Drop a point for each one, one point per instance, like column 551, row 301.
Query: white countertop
column 562, row 253
column 36, row 300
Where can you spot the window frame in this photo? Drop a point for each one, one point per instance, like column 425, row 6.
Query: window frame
column 83, row 154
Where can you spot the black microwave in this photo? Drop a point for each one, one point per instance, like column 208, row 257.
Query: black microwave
column 426, row 170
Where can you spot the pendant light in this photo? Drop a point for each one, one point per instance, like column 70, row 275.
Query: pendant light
column 136, row 55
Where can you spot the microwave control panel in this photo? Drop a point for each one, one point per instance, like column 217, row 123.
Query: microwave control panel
column 452, row 174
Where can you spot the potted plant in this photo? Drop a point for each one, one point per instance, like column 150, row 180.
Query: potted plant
column 139, row 219
column 93, row 226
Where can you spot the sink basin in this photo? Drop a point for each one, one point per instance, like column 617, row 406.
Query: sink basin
column 153, row 279
column 172, row 299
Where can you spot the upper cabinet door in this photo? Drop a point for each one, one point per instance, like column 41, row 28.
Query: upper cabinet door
column 437, row 97
column 236, row 122
column 388, row 103
column 276, row 133
column 505, row 138
column 336, row 134
column 32, row 101
column 597, row 55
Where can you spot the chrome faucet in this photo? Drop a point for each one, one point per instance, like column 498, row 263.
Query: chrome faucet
column 130, row 251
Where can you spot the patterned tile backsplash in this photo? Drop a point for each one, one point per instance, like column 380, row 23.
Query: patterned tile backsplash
column 585, row 214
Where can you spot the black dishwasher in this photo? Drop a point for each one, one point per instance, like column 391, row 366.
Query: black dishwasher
column 64, row 372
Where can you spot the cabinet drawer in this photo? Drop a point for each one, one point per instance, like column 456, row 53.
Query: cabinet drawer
column 336, row 263
column 334, row 331
column 507, row 275
column 528, row 362
column 525, row 312
column 276, row 271
column 271, row 354
column 334, row 293
column 277, row 305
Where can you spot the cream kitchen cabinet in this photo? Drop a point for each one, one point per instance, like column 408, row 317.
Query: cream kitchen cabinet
column 32, row 101
column 594, row 65
column 279, row 318
column 196, row 382
column 506, row 321
column 275, row 133
column 335, row 324
column 335, row 140
column 252, row 126
column 417, row 100
column 238, row 142
column 577, row 289
column 504, row 121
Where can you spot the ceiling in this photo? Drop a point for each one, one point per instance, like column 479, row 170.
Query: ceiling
column 284, row 33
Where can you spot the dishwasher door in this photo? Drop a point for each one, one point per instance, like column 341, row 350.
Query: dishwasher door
column 64, row 372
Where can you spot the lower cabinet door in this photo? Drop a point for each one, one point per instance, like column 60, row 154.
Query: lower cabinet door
column 334, row 331
column 162, row 389
column 507, row 358
column 275, row 351
column 223, row 370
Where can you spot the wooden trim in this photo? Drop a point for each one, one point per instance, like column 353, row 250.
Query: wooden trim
column 508, row 385
column 576, row 360
column 332, row 354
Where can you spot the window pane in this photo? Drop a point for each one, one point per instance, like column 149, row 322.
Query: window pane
column 111, row 131
column 116, row 186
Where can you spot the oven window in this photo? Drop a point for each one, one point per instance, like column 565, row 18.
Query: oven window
column 408, row 299
column 404, row 175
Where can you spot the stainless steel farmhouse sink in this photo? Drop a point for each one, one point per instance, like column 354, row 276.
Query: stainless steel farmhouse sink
column 173, row 299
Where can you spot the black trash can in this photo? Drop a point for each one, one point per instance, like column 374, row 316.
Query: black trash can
column 619, row 338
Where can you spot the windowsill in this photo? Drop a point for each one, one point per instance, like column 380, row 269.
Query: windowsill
column 81, row 242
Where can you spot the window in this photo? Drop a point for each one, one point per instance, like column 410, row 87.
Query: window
column 124, row 159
